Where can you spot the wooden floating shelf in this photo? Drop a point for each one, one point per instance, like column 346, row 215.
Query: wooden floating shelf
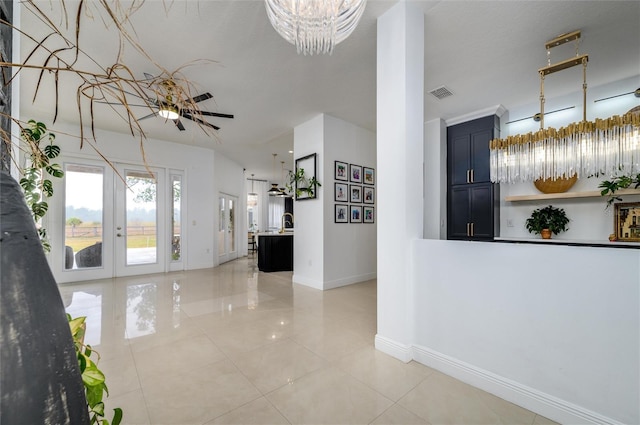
column 568, row 195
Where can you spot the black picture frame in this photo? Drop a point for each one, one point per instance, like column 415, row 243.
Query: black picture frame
column 341, row 171
column 368, row 195
column 355, row 193
column 355, row 214
column 368, row 214
column 341, row 192
column 341, row 213
column 308, row 164
column 368, row 176
column 355, row 173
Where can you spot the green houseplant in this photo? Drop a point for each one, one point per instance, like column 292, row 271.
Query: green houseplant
column 547, row 220
column 610, row 187
column 92, row 377
column 35, row 182
column 303, row 186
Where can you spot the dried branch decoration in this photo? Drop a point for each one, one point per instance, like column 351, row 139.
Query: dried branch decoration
column 112, row 84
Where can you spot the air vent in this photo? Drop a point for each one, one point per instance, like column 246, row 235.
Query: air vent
column 441, row 92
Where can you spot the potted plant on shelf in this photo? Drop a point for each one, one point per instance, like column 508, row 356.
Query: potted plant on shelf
column 547, row 220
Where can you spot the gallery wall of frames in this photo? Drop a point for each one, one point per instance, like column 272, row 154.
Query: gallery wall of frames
column 354, row 193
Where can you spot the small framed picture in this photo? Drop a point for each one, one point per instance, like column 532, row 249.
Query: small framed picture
column 341, row 192
column 342, row 213
column 356, row 193
column 355, row 173
column 368, row 214
column 368, row 195
column 341, row 171
column 627, row 221
column 356, row 214
column 368, row 175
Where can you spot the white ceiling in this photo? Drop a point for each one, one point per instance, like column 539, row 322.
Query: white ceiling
column 486, row 52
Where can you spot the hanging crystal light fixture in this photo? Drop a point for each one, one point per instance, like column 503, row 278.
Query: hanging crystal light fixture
column 588, row 148
column 314, row 26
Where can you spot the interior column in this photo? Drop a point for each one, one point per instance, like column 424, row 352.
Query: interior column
column 400, row 129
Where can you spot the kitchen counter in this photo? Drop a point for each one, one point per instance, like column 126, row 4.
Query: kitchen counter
column 275, row 252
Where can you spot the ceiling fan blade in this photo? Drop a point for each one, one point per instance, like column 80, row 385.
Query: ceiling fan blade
column 207, row 113
column 199, row 121
column 120, row 103
column 179, row 125
column 200, row 98
column 147, row 116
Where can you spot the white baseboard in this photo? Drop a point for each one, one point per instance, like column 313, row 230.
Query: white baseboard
column 544, row 404
column 388, row 346
column 323, row 286
column 349, row 280
column 301, row 280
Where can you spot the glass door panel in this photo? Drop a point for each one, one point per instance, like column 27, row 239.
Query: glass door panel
column 138, row 213
column 83, row 217
column 141, row 218
column 176, row 188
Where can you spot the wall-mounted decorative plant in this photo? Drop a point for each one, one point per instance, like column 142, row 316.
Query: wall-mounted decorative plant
column 610, row 187
column 302, row 181
column 35, row 181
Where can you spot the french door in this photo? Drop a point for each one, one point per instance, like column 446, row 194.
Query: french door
column 227, row 228
column 139, row 212
column 119, row 221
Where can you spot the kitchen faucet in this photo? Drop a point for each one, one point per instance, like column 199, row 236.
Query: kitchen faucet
column 283, row 216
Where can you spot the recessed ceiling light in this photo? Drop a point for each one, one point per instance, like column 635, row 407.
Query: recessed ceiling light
column 290, row 151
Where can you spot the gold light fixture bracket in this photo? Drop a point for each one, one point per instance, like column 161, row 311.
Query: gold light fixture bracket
column 562, row 65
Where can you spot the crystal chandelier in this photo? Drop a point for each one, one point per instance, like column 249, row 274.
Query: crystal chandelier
column 315, row 26
column 588, row 148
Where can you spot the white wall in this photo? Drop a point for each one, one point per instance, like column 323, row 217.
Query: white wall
column 309, row 220
column 327, row 254
column 435, row 179
column 555, row 329
column 200, row 186
column 349, row 248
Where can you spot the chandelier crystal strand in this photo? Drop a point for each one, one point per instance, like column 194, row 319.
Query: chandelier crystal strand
column 314, row 26
column 609, row 147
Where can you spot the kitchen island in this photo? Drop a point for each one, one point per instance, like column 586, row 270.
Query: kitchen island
column 275, row 252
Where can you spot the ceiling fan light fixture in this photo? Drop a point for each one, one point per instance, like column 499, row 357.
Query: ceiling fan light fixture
column 314, row 26
column 169, row 112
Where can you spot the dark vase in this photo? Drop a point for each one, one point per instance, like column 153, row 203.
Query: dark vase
column 40, row 378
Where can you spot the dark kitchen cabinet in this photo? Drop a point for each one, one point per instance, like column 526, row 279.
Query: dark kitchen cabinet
column 472, row 200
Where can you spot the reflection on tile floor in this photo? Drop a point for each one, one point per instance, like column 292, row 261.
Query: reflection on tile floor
column 232, row 345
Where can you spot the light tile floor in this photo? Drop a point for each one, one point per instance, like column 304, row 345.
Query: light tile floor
column 232, row 345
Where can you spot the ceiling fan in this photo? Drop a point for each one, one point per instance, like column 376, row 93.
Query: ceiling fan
column 170, row 106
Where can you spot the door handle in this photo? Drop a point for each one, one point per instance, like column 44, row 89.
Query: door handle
column 472, row 230
column 119, row 235
column 468, row 176
column 472, row 178
column 468, row 230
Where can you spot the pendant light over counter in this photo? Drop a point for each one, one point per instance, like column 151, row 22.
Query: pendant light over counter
column 274, row 191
